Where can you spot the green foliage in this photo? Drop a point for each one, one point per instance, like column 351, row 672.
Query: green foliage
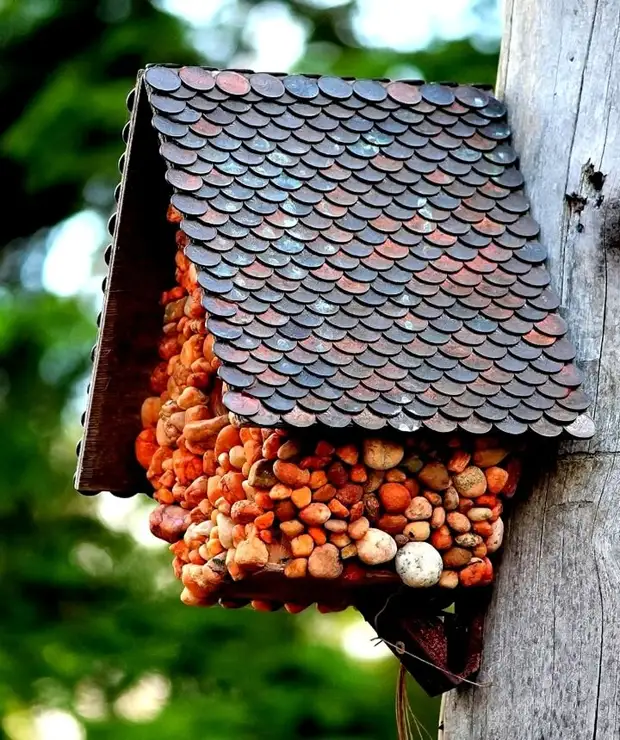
column 86, row 612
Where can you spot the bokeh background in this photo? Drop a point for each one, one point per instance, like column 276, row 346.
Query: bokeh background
column 93, row 640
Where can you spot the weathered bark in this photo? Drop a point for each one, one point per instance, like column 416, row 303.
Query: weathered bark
column 552, row 638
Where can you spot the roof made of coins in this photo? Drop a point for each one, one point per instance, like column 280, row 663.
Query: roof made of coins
column 366, row 253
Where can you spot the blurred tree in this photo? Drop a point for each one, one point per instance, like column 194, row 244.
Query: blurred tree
column 67, row 66
column 88, row 616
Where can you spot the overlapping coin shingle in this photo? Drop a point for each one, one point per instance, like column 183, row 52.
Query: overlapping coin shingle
column 366, row 253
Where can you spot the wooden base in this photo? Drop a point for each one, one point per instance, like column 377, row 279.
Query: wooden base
column 438, row 648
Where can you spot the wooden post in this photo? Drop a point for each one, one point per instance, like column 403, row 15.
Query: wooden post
column 552, row 637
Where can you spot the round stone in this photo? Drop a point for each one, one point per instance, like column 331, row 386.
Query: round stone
column 419, row 565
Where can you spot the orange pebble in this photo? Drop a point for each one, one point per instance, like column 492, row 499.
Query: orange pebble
column 318, row 535
column 394, row 497
column 395, row 476
column 285, row 511
column 146, row 446
column 473, row 575
column 392, row 523
column 324, row 493
column 459, row 461
column 271, row 446
column 496, row 479
column 513, row 466
column 484, row 529
column 232, row 490
column 357, row 510
column 280, row 492
column 314, row 462
column 209, row 463
column 324, row 449
column 264, row 521
column 441, row 539
column 337, row 474
column 252, row 451
column 338, row 509
column 264, row 500
column 317, row 479
column 348, row 454
column 486, row 500
column 266, row 535
column 358, row 473
column 290, row 474
column 412, row 486
column 301, row 497
column 227, row 438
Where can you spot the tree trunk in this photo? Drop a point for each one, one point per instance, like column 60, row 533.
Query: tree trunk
column 552, row 637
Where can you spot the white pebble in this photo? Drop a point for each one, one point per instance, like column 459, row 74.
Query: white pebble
column 418, row 564
column 376, row 547
column 494, row 540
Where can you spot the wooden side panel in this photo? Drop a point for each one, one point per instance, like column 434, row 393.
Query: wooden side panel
column 141, row 266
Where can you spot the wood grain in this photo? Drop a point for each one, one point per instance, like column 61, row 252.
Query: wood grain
column 141, row 266
column 552, row 636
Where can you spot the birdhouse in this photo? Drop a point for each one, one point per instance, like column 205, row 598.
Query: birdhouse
column 328, row 342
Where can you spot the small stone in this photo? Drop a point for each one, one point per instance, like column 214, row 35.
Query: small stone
column 315, row 514
column 433, row 498
column 357, row 510
column 471, row 483
column 290, row 474
column 419, row 565
column 302, row 546
column 394, row 497
column 419, row 509
column 488, row 458
column 337, row 509
column 441, row 539
column 261, row 474
column 358, row 528
column 376, row 547
column 301, row 497
column 169, row 522
column 350, row 551
column 296, row 568
column 382, row 454
column 434, row 476
column 292, row 528
column 401, row 540
column 289, row 449
column 392, row 523
column 280, row 492
column 244, row 512
column 459, row 461
column 473, row 575
column 373, row 481
column 417, row 531
column 252, row 554
column 456, row 557
column 479, row 514
column 468, row 540
column 337, row 474
column 336, row 525
column 324, row 494
column 372, row 506
column 350, row 494
column 451, row 499
column 237, row 456
column 225, row 527
column 496, row 479
column 412, row 463
column 340, row 539
column 348, row 454
column 439, row 517
column 449, row 579
column 484, row 528
column 495, row 539
column 325, row 562
column 394, row 475
column 458, row 522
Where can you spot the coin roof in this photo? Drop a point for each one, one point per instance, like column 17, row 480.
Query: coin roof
column 366, row 252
